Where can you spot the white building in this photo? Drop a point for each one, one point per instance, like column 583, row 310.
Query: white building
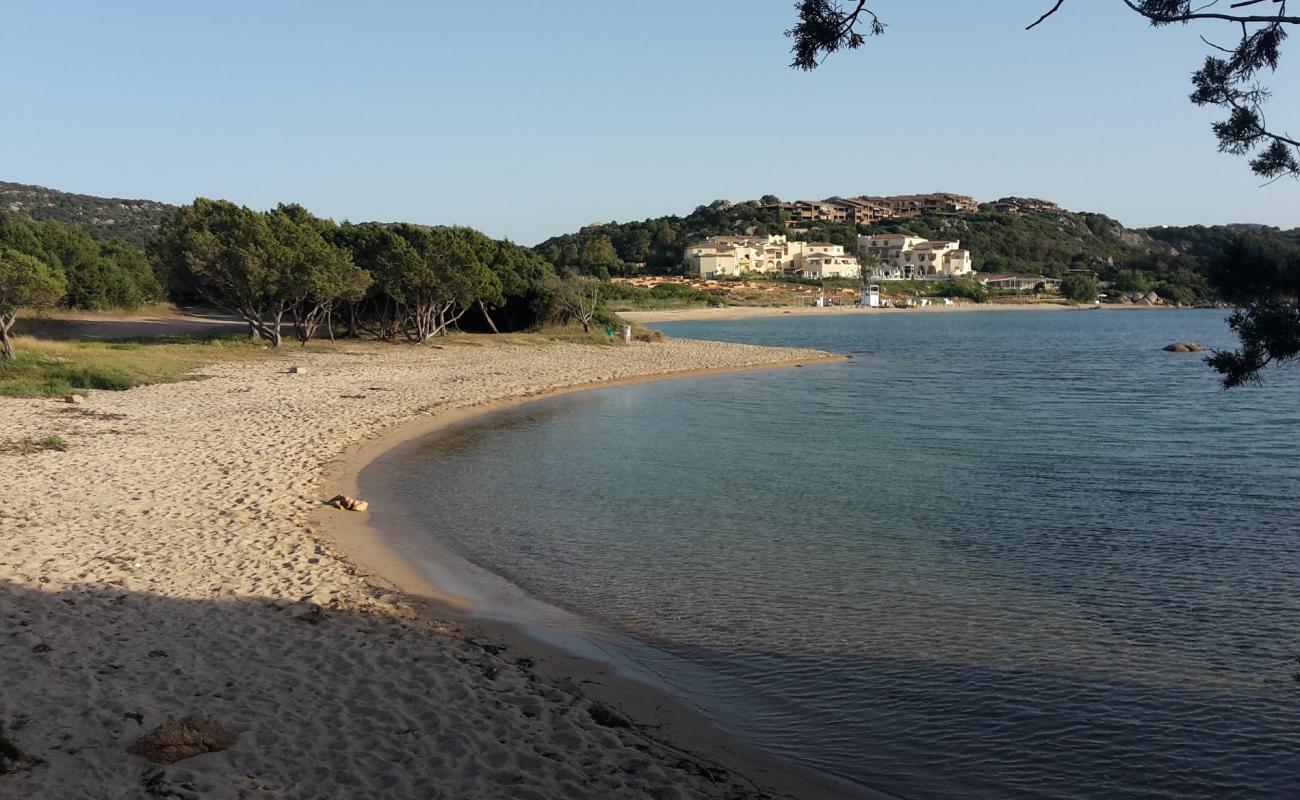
column 826, row 265
column 905, row 257
column 1021, row 282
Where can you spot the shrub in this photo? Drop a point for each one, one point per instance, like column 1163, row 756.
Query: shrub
column 963, row 288
column 1081, row 288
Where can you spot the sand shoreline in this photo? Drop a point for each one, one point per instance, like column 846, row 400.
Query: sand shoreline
column 674, row 721
column 171, row 562
column 752, row 312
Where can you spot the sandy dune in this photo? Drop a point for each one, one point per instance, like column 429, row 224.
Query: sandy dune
column 165, row 565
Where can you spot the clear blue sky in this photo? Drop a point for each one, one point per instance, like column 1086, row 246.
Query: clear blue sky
column 528, row 119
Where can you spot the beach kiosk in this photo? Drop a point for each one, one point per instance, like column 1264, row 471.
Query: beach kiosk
column 871, row 297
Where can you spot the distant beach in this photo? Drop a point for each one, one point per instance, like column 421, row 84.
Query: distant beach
column 751, row 312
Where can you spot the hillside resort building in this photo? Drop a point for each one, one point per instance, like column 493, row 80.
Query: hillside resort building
column 733, row 256
column 893, row 256
column 897, row 256
column 869, row 209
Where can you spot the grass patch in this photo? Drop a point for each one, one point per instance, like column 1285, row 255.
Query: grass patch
column 53, row 442
column 44, row 368
column 550, row 334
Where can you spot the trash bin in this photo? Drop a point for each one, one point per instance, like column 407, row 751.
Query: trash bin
column 626, row 332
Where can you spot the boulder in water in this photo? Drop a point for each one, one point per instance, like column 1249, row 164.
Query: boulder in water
column 1183, row 347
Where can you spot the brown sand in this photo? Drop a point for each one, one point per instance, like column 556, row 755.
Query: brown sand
column 167, row 565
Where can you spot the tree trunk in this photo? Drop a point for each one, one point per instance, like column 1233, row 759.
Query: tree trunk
column 274, row 330
column 6, row 343
column 453, row 320
column 253, row 334
column 424, row 318
column 306, row 322
column 487, row 317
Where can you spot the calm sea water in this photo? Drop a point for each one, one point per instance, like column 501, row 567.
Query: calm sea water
column 1022, row 555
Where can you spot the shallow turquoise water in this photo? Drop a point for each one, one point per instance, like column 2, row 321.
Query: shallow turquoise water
column 1022, row 555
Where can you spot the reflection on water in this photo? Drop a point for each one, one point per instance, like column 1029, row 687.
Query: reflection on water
column 1014, row 555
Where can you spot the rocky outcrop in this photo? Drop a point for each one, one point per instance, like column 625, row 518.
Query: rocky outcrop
column 1183, row 347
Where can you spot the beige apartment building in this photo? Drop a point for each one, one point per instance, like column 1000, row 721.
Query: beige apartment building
column 867, row 210
column 1023, row 205
column 733, row 256
column 904, row 257
column 826, row 265
column 911, row 205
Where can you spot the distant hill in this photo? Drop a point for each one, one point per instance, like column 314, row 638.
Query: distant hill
column 133, row 221
column 1050, row 242
column 1204, row 242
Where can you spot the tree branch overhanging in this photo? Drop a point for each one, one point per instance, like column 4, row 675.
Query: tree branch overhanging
column 825, row 27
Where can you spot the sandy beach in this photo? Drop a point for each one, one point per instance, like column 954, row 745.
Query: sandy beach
column 174, row 561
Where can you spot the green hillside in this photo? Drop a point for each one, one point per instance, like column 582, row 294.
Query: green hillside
column 105, row 218
column 1051, row 243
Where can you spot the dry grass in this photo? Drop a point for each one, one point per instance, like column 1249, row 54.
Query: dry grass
column 152, row 310
column 43, row 367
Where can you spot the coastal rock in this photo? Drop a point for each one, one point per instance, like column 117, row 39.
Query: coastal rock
column 346, row 503
column 1152, row 298
column 1183, row 347
column 176, row 740
column 75, row 399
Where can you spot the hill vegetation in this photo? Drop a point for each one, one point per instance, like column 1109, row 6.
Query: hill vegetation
column 284, row 271
column 1050, row 243
column 133, row 222
column 98, row 274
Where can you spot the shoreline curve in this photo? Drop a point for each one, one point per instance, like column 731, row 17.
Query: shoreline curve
column 678, row 724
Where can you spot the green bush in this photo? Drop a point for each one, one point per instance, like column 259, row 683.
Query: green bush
column 99, row 275
column 970, row 290
column 1080, row 288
